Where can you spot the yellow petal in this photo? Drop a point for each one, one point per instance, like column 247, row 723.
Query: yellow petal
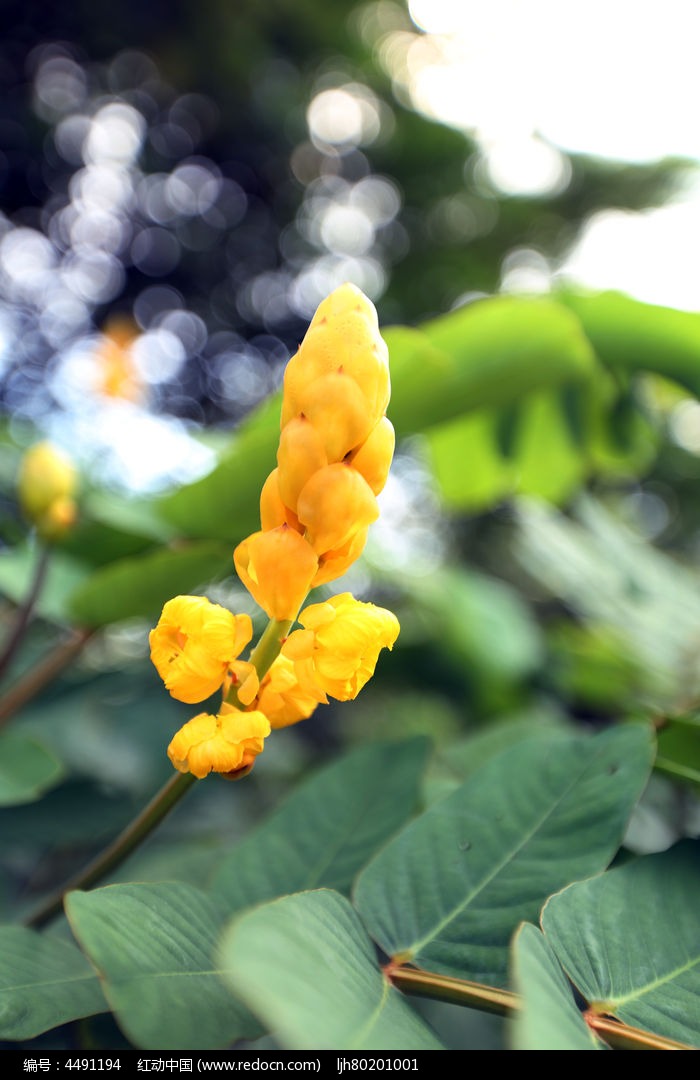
column 373, row 458
column 339, row 412
column 277, row 568
column 301, row 453
column 335, row 504
column 222, row 743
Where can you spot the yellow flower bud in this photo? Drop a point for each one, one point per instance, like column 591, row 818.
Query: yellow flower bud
column 301, row 453
column 373, row 459
column 46, row 485
column 343, row 334
column 334, row 563
column 277, row 568
column 273, row 511
column 343, row 637
column 334, row 505
column 193, row 645
column 339, row 412
column 224, row 743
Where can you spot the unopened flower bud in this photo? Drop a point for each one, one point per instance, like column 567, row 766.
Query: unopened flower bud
column 46, row 485
column 334, row 505
column 277, row 568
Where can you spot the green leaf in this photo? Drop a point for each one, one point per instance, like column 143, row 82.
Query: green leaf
column 548, row 1018
column 469, row 438
column 679, row 749
column 540, row 457
column 454, row 763
column 490, row 353
column 306, row 967
column 27, row 769
column 43, row 983
column 630, row 335
column 629, row 940
column 224, row 505
column 449, row 891
column 329, row 827
column 154, row 945
column 142, row 584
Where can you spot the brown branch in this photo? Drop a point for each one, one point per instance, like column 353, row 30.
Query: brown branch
column 29, row 685
column 24, row 612
column 493, row 999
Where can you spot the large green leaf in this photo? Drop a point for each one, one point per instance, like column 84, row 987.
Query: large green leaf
column 449, row 890
column 141, row 585
column 27, row 769
column 224, row 505
column 679, row 748
column 154, row 946
column 633, row 336
column 543, row 459
column 489, row 353
column 548, row 1018
column 455, row 762
column 630, row 941
column 329, row 827
column 306, row 967
column 43, row 983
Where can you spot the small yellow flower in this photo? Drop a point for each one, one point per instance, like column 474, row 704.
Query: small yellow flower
column 287, row 694
column 343, row 638
column 224, row 743
column 46, row 484
column 193, row 645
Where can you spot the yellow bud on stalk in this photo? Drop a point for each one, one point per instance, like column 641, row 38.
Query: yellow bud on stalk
column 46, row 485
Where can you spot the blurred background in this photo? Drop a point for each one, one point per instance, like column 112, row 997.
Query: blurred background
column 180, row 185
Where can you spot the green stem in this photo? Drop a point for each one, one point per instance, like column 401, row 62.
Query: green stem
column 24, row 612
column 113, row 855
column 271, row 640
column 263, row 655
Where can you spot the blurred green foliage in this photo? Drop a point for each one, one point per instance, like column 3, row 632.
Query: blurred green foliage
column 539, row 544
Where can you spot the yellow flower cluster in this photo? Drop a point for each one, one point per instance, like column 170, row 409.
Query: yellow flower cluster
column 47, row 484
column 335, row 450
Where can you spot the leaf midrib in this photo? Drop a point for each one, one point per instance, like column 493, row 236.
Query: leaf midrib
column 415, row 947
column 649, row 987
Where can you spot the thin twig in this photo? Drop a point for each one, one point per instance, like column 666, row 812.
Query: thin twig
column 24, row 612
column 116, row 852
column 29, row 685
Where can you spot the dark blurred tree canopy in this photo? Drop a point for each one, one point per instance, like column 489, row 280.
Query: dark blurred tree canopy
column 213, row 170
